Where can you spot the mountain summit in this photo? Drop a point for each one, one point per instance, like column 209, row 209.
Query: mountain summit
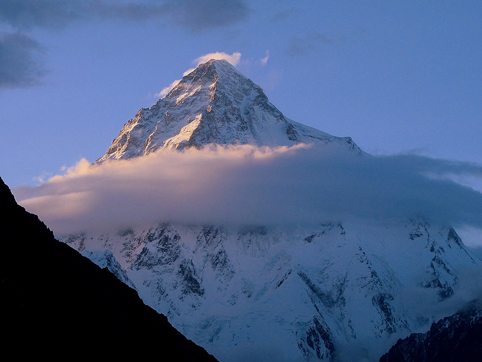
column 212, row 104
column 334, row 290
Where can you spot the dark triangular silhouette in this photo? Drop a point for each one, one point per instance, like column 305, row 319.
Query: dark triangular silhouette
column 56, row 303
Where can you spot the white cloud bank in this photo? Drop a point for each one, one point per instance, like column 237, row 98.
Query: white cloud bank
column 246, row 185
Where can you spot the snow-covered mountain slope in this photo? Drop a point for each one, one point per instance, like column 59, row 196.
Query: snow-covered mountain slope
column 212, row 104
column 320, row 293
column 338, row 290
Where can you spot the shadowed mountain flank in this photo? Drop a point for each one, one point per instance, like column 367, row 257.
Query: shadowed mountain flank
column 56, row 303
column 452, row 339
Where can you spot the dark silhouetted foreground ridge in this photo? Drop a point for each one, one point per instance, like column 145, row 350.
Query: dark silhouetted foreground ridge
column 56, row 303
column 453, row 339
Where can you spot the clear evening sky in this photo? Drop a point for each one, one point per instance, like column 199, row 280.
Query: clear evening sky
column 396, row 76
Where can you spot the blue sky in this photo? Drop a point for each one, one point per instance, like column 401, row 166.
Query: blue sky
column 395, row 76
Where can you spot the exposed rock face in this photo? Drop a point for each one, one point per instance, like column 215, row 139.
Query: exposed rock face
column 452, row 339
column 56, row 303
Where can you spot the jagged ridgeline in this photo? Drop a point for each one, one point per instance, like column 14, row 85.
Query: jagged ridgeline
column 339, row 291
column 452, row 339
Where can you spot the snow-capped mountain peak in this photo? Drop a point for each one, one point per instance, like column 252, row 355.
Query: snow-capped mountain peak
column 214, row 103
column 337, row 290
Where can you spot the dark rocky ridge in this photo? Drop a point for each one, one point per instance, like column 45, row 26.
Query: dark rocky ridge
column 56, row 303
column 453, row 339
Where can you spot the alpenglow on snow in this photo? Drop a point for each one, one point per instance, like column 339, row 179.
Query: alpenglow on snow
column 340, row 290
column 212, row 104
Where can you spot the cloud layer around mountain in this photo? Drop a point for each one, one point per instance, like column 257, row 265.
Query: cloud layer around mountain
column 246, row 185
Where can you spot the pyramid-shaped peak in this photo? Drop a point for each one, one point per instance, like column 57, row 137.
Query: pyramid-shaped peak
column 218, row 65
column 213, row 104
column 213, row 70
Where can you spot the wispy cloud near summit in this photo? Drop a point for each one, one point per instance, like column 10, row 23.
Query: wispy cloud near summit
column 233, row 58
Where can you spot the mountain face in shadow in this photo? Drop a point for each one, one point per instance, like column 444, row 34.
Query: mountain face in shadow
column 452, row 339
column 56, row 303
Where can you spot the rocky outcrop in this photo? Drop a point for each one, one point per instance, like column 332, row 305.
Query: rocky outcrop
column 452, row 339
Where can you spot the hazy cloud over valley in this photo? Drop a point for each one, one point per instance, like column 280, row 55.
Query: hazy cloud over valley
column 246, row 185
